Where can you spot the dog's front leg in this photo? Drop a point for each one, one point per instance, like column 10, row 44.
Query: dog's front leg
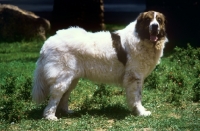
column 133, row 85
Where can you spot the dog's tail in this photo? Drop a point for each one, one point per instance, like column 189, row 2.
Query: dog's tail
column 40, row 88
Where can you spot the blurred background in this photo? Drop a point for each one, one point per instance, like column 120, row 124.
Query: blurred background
column 183, row 17
column 120, row 11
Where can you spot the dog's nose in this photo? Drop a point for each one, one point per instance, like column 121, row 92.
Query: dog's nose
column 154, row 27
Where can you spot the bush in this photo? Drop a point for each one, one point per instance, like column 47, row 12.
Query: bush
column 178, row 76
column 196, row 89
column 15, row 94
column 15, row 86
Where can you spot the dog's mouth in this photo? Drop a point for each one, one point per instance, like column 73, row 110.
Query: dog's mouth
column 153, row 38
column 154, row 35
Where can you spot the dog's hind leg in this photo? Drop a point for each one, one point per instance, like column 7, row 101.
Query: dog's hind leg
column 63, row 105
column 133, row 85
column 56, row 92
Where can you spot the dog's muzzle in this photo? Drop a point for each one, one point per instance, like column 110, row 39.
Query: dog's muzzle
column 154, row 31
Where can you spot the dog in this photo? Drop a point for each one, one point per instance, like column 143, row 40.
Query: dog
column 124, row 57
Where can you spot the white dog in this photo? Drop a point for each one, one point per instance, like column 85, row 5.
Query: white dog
column 125, row 57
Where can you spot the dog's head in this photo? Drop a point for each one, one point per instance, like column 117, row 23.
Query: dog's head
column 151, row 25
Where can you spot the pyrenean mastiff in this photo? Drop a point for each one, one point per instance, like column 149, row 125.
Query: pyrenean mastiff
column 125, row 57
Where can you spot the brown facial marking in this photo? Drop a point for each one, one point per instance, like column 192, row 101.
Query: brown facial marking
column 121, row 53
column 161, row 20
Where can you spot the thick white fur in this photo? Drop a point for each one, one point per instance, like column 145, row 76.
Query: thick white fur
column 74, row 53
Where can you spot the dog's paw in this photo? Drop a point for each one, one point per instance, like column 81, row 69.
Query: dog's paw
column 144, row 113
column 51, row 117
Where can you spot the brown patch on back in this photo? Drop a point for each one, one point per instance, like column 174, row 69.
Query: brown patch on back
column 121, row 53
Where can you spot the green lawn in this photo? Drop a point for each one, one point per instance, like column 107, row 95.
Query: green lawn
column 171, row 93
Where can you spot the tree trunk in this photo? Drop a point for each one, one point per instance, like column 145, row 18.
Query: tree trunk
column 88, row 14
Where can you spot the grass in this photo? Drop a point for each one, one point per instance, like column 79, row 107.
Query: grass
column 171, row 92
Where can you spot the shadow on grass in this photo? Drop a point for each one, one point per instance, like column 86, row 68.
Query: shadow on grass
column 116, row 111
column 98, row 105
column 36, row 113
column 111, row 112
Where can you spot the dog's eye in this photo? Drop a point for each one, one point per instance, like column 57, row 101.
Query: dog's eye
column 159, row 20
column 148, row 19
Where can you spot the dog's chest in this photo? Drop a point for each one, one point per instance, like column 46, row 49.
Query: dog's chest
column 145, row 58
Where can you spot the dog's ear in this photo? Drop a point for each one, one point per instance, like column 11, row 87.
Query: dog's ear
column 140, row 17
column 139, row 27
column 164, row 17
column 163, row 30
